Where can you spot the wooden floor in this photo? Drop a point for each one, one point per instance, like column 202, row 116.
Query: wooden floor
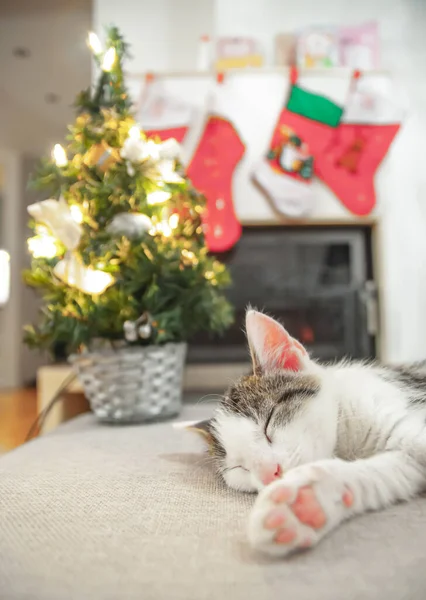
column 18, row 410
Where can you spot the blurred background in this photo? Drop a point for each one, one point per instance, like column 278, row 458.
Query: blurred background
column 337, row 253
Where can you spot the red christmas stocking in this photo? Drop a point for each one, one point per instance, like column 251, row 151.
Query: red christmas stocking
column 304, row 128
column 368, row 127
column 162, row 115
column 211, row 169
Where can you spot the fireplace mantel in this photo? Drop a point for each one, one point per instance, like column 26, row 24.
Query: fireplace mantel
column 370, row 221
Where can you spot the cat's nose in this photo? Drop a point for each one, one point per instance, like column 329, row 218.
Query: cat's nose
column 270, row 474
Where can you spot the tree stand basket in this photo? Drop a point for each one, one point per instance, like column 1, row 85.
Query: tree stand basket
column 132, row 385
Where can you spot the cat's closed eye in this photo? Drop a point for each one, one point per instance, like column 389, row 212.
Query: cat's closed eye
column 227, row 469
column 268, row 421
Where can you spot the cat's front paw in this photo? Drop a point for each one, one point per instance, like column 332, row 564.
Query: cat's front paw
column 295, row 512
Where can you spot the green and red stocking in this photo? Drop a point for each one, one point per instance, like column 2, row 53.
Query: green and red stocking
column 304, row 129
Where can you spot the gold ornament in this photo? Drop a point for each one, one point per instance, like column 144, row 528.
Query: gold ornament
column 101, row 156
column 82, row 119
column 77, row 161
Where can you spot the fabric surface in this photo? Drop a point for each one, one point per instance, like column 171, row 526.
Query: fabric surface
column 120, row 513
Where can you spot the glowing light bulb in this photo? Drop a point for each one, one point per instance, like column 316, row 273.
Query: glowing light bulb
column 188, row 254
column 109, row 60
column 158, row 197
column 174, row 221
column 42, row 246
column 76, row 213
column 59, row 156
column 134, row 132
column 94, row 43
column 4, row 277
column 189, row 258
column 96, row 282
column 164, row 228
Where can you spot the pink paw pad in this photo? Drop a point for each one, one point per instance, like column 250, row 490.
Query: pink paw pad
column 285, row 536
column 308, row 510
column 348, row 498
column 281, row 495
column 274, row 519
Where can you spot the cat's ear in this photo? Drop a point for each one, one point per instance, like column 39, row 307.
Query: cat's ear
column 272, row 347
column 202, row 428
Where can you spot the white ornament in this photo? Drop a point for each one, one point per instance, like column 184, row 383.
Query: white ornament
column 133, row 149
column 57, row 216
column 166, row 169
column 86, row 279
column 170, row 150
column 151, row 151
column 131, row 225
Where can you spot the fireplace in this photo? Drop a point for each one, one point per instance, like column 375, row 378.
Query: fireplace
column 317, row 280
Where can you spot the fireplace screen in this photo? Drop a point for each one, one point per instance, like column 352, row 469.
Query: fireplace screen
column 313, row 281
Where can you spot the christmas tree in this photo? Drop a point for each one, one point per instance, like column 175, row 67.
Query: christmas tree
column 118, row 248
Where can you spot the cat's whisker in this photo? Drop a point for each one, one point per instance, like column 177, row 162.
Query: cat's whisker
column 210, row 398
column 206, row 461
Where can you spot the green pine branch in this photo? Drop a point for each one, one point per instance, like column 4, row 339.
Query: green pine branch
column 172, row 277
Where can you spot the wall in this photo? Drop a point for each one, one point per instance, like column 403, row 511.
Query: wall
column 30, row 359
column 18, row 365
column 163, row 34
column 10, row 342
column 164, row 37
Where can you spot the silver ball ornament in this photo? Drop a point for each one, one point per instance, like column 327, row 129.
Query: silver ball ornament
column 130, row 332
column 145, row 331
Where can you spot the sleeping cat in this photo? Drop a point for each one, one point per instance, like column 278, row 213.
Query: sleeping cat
column 320, row 443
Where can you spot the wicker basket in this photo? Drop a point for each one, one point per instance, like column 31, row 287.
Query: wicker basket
column 133, row 384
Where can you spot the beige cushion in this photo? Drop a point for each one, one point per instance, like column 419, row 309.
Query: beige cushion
column 121, row 513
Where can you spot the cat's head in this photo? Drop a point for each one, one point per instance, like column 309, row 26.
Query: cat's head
column 281, row 416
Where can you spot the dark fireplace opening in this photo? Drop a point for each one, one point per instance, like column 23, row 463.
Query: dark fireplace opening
column 318, row 281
